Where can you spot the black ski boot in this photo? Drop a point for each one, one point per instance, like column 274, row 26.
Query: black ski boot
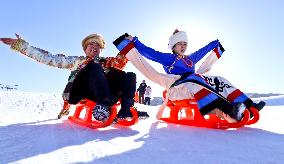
column 257, row 106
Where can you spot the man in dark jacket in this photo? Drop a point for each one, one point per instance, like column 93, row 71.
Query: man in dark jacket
column 141, row 90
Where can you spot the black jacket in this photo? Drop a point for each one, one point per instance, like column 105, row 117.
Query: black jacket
column 141, row 89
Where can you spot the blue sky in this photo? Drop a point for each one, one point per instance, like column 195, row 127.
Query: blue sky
column 250, row 31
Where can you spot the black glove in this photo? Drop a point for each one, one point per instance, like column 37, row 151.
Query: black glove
column 120, row 39
column 221, row 47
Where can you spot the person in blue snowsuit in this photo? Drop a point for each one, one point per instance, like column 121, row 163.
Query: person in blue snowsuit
column 210, row 92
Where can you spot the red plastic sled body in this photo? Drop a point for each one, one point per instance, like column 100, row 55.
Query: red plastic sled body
column 196, row 119
column 90, row 122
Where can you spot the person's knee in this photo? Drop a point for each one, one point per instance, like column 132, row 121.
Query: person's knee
column 130, row 76
column 130, row 79
column 94, row 69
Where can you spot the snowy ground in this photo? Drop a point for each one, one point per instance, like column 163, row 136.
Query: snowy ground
column 30, row 133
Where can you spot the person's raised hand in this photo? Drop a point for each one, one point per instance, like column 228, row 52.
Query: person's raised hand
column 129, row 37
column 9, row 41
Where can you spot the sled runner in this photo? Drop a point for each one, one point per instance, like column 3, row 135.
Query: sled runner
column 194, row 117
column 255, row 117
column 90, row 122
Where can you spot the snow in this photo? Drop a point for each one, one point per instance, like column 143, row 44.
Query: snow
column 30, row 133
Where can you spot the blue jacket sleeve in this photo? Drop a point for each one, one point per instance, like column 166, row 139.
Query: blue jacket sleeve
column 165, row 59
column 198, row 55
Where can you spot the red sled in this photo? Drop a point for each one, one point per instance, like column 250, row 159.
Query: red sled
column 90, row 122
column 196, row 119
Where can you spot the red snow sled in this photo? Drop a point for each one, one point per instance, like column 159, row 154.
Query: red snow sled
column 88, row 120
column 194, row 117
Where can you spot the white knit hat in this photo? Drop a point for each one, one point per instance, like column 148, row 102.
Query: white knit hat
column 177, row 37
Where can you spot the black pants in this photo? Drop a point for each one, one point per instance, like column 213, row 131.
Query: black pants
column 147, row 100
column 93, row 83
column 219, row 103
column 141, row 98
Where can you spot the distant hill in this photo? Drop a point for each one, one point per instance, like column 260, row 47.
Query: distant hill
column 258, row 95
column 5, row 87
column 159, row 100
column 155, row 100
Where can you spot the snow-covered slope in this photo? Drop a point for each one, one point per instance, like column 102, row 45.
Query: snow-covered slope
column 274, row 100
column 30, row 133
